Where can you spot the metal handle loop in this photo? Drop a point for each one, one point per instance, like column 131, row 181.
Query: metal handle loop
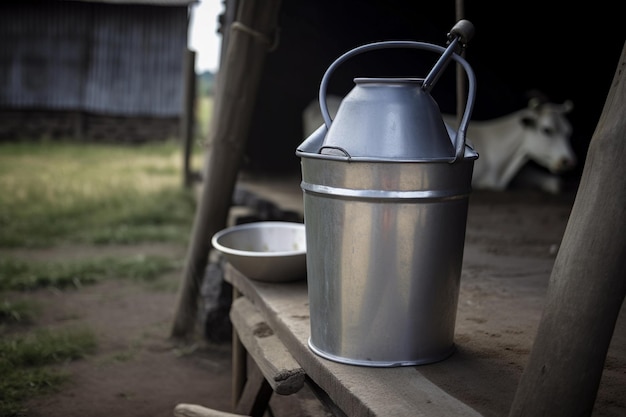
column 459, row 141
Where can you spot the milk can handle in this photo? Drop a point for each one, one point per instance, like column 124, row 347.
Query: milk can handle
column 459, row 142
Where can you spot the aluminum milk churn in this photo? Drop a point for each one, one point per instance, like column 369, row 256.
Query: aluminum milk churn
column 385, row 188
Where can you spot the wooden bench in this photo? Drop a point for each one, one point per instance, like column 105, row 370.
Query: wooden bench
column 274, row 370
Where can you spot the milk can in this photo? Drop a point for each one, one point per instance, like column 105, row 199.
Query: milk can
column 385, row 188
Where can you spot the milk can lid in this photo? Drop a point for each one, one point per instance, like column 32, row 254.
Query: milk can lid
column 385, row 119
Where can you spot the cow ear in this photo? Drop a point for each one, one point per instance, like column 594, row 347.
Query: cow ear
column 534, row 103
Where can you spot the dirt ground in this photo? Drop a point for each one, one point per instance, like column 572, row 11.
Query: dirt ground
column 137, row 371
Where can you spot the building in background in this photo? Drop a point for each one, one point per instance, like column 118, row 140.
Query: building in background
column 95, row 70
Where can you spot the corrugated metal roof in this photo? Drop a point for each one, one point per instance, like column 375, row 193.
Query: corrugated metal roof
column 145, row 2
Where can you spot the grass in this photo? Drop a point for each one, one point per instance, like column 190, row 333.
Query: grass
column 25, row 364
column 96, row 194
column 204, row 110
column 20, row 275
column 17, row 312
column 67, row 193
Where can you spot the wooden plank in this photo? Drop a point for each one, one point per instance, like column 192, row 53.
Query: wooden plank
column 357, row 390
column 284, row 192
column 281, row 370
column 194, row 410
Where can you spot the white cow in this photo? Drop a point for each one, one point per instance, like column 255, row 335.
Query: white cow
column 539, row 133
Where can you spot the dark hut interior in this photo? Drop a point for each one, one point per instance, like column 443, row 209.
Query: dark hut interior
column 517, row 47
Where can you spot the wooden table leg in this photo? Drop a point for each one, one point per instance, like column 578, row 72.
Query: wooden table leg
column 239, row 362
column 255, row 396
column 271, row 367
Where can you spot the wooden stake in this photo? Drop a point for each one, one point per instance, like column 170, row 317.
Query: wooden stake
column 235, row 97
column 587, row 285
column 188, row 118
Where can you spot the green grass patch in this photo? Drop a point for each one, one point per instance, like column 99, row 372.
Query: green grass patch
column 204, row 111
column 22, row 312
column 25, row 364
column 21, row 275
column 57, row 192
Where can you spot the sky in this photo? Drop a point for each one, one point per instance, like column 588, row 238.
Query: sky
column 203, row 36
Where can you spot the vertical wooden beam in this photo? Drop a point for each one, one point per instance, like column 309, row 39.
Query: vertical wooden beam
column 188, row 117
column 256, row 394
column 235, row 98
column 226, row 19
column 239, row 365
column 587, row 285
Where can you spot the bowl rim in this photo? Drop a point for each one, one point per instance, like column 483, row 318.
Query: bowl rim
column 257, row 225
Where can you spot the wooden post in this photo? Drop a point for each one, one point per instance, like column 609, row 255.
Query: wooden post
column 226, row 19
column 188, row 117
column 587, row 284
column 239, row 363
column 250, row 38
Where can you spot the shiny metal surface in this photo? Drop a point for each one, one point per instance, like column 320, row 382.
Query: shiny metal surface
column 386, row 187
column 385, row 247
column 265, row 251
column 392, row 113
column 420, row 106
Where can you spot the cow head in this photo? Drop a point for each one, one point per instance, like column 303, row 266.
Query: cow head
column 547, row 135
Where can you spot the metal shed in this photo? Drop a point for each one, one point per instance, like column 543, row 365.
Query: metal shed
column 104, row 70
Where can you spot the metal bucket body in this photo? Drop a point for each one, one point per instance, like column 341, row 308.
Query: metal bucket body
column 384, row 252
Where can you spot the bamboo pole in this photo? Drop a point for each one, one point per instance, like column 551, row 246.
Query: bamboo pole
column 587, row 285
column 250, row 37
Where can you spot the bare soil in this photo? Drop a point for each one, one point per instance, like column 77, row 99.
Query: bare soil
column 138, row 371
